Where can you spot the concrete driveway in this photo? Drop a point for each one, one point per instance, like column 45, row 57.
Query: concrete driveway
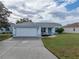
column 24, row 48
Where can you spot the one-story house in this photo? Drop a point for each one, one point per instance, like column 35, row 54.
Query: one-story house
column 71, row 28
column 34, row 29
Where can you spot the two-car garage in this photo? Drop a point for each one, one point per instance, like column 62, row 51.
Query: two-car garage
column 26, row 32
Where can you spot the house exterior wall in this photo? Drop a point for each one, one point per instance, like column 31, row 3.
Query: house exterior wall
column 39, row 31
column 71, row 30
column 13, row 32
column 53, row 30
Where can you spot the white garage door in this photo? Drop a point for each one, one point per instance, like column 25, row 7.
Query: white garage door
column 26, row 32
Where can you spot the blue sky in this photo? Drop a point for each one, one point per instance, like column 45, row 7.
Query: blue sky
column 60, row 11
column 72, row 6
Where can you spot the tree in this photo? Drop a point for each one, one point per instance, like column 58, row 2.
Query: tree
column 23, row 20
column 59, row 30
column 4, row 13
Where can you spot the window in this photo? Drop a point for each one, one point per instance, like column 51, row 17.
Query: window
column 50, row 29
column 74, row 29
column 43, row 29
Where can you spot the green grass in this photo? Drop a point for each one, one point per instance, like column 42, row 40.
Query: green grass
column 65, row 46
column 4, row 36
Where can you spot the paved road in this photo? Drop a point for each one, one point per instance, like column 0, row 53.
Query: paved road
column 24, row 48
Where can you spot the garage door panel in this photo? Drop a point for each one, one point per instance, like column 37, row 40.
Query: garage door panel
column 26, row 32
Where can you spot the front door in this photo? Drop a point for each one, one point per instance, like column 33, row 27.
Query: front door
column 50, row 31
column 43, row 31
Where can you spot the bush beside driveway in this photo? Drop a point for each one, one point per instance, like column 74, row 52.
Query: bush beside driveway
column 4, row 36
column 65, row 46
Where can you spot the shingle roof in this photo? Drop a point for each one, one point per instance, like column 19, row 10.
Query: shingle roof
column 36, row 24
column 72, row 25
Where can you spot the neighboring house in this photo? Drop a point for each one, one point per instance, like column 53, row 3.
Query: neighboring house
column 10, row 29
column 71, row 28
column 2, row 30
column 31, row 29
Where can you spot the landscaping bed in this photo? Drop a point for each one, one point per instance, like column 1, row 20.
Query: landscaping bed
column 4, row 36
column 64, row 46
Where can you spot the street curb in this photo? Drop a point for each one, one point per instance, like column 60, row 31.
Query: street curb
column 7, row 39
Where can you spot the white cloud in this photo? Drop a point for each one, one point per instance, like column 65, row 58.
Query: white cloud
column 71, row 1
column 39, row 10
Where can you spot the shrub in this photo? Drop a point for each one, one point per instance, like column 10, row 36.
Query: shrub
column 59, row 30
column 4, row 36
column 6, row 33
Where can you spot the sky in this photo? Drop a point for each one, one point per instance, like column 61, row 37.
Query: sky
column 59, row 11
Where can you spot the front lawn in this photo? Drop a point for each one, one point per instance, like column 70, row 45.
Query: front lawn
column 4, row 36
column 64, row 46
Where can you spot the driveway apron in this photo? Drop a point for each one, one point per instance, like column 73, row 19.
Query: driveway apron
column 24, row 48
